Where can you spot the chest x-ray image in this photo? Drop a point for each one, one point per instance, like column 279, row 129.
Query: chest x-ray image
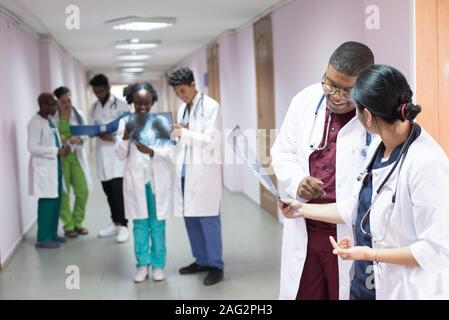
column 151, row 129
column 240, row 146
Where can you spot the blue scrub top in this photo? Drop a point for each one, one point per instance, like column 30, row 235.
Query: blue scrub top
column 362, row 286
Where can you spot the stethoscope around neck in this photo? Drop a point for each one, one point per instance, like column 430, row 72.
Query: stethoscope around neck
column 368, row 137
column 399, row 161
column 199, row 104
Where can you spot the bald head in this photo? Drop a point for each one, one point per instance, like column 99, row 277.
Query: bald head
column 47, row 104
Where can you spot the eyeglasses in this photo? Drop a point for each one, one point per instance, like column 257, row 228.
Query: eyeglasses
column 331, row 90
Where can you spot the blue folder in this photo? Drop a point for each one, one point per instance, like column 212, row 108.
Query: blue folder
column 94, row 130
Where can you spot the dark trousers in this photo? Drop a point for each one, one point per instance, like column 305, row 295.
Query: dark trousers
column 114, row 192
column 319, row 279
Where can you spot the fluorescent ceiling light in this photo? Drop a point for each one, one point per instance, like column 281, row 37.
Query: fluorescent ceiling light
column 133, row 70
column 133, row 45
column 133, row 57
column 133, row 64
column 141, row 24
column 128, row 76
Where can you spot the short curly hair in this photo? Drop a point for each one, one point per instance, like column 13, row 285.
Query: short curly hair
column 181, row 76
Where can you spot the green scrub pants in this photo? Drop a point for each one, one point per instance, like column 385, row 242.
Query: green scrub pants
column 144, row 229
column 73, row 177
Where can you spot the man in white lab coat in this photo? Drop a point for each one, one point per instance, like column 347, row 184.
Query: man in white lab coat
column 110, row 168
column 315, row 157
column 45, row 171
column 198, row 185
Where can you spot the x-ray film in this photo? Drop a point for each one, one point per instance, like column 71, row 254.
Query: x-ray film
column 240, row 146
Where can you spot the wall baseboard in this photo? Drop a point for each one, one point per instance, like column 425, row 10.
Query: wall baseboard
column 16, row 246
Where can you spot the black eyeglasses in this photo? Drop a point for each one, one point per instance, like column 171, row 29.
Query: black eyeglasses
column 331, row 90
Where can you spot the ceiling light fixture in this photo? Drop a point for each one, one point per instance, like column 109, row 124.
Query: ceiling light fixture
column 140, row 24
column 133, row 45
column 133, row 57
column 133, row 70
column 133, row 64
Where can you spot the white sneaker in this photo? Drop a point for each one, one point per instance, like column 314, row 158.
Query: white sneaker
column 109, row 231
column 158, row 275
column 141, row 274
column 123, row 234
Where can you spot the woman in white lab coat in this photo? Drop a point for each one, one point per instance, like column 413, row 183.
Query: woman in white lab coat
column 398, row 208
column 45, row 171
column 147, row 184
column 75, row 166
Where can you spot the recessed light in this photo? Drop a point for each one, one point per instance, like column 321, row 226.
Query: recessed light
column 132, row 45
column 135, row 40
column 133, row 57
column 141, row 24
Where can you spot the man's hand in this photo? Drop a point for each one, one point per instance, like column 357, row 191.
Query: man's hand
column 309, row 188
column 291, row 208
column 107, row 137
column 64, row 151
column 125, row 135
column 177, row 131
column 144, row 149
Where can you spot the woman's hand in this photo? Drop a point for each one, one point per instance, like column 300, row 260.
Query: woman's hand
column 63, row 139
column 75, row 140
column 346, row 251
column 144, row 149
column 291, row 208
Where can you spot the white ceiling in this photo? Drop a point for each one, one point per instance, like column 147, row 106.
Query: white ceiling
column 198, row 23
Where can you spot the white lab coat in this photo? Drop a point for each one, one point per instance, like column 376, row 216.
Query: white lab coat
column 109, row 166
column 419, row 220
column 290, row 160
column 80, row 149
column 141, row 169
column 201, row 146
column 43, row 163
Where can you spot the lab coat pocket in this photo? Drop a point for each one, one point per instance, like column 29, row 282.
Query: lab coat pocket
column 40, row 166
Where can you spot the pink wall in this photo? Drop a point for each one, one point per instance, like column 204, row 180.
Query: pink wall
column 59, row 68
column 23, row 68
column 239, row 102
column 305, row 33
column 198, row 63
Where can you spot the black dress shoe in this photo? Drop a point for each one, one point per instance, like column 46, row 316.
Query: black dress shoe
column 193, row 268
column 214, row 276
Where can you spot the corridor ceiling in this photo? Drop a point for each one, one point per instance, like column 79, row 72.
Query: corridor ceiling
column 198, row 23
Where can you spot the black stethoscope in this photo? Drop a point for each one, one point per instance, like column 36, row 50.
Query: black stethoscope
column 113, row 105
column 368, row 137
column 399, row 161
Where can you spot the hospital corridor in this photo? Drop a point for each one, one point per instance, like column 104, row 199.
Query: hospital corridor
column 247, row 151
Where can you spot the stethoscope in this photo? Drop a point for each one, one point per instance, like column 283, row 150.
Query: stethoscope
column 113, row 105
column 195, row 111
column 399, row 161
column 326, row 138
